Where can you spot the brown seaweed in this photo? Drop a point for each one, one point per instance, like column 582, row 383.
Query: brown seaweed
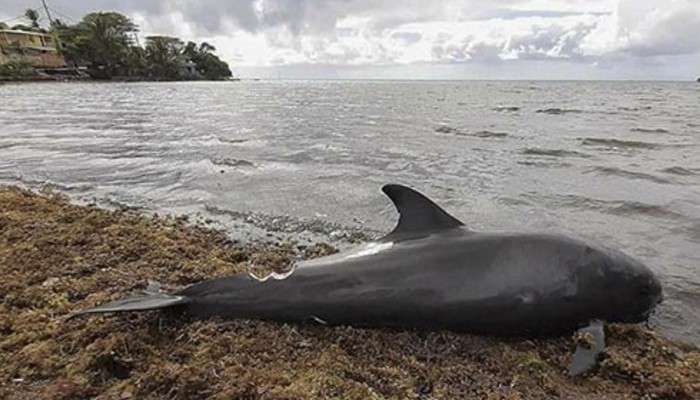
column 57, row 257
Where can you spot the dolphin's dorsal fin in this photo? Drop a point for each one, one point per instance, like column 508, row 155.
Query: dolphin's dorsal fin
column 418, row 215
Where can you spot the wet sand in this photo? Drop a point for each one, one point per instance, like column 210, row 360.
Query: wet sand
column 57, row 258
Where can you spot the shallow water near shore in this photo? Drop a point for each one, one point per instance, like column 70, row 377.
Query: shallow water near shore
column 617, row 163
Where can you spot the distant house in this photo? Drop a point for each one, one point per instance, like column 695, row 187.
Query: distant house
column 39, row 49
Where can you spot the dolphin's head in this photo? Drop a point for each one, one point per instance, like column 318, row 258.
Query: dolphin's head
column 625, row 289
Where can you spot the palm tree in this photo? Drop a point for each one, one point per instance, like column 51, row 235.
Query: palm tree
column 103, row 39
column 164, row 55
column 33, row 17
column 208, row 64
column 205, row 47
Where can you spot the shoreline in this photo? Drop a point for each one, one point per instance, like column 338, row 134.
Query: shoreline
column 58, row 257
column 67, row 79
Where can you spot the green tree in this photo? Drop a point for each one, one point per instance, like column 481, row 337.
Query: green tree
column 105, row 43
column 136, row 63
column 57, row 24
column 33, row 18
column 206, row 48
column 164, row 57
column 208, row 64
column 71, row 44
column 190, row 50
column 17, row 69
column 102, row 41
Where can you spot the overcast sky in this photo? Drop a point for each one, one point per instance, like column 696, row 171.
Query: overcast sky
column 424, row 39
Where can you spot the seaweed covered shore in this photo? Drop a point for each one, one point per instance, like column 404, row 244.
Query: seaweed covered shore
column 57, row 257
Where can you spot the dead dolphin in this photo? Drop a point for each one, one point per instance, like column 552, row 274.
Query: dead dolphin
column 431, row 272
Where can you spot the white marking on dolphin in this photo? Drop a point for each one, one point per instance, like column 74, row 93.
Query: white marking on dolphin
column 431, row 272
column 274, row 275
column 370, row 249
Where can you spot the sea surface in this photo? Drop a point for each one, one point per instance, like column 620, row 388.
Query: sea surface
column 613, row 162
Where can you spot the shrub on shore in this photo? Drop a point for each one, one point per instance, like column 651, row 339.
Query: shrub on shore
column 17, row 69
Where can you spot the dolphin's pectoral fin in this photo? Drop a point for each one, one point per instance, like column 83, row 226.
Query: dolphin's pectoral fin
column 418, row 214
column 590, row 343
column 151, row 298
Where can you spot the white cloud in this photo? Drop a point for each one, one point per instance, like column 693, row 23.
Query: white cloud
column 647, row 29
column 606, row 34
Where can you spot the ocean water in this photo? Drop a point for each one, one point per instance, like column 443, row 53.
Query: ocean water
column 613, row 162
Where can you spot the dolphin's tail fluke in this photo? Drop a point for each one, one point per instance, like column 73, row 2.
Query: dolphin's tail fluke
column 150, row 299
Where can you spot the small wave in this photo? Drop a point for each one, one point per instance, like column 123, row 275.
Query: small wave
column 233, row 140
column 617, row 143
column 559, row 111
column 8, row 145
column 614, row 207
column 634, row 207
column 289, row 224
column 613, row 171
column 545, row 164
column 482, row 134
column 490, row 134
column 678, row 171
column 553, row 152
column 510, row 201
column 446, row 129
column 693, row 230
column 47, row 184
column 232, row 162
column 634, row 108
column 506, row 109
column 650, row 130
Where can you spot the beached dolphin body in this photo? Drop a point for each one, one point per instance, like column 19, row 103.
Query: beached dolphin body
column 431, row 272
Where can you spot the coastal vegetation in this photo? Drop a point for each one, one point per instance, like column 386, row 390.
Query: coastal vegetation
column 107, row 45
column 18, row 69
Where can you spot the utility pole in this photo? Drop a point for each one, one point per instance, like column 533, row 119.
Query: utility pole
column 48, row 14
column 59, row 47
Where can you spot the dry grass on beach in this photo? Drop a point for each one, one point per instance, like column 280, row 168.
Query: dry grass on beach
column 56, row 258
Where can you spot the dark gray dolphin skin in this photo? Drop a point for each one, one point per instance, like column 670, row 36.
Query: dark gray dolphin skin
column 431, row 272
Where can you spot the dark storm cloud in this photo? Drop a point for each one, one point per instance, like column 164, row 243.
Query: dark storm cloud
column 298, row 16
column 207, row 16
